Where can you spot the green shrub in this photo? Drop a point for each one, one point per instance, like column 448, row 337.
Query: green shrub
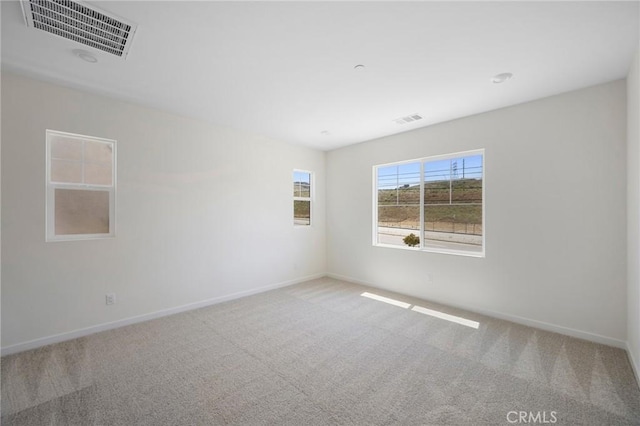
column 411, row 240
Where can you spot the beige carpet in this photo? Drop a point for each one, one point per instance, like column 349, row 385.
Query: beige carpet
column 319, row 353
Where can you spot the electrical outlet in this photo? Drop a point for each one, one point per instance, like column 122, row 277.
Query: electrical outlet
column 429, row 279
column 110, row 298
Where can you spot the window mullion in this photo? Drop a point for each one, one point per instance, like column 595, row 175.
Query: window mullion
column 421, row 227
column 71, row 185
column 450, row 179
column 84, row 144
column 397, row 185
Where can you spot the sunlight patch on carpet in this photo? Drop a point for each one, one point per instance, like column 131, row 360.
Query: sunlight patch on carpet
column 421, row 310
column 386, row 300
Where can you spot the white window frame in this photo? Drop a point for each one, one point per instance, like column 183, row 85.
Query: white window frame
column 310, row 198
column 422, row 161
column 51, row 186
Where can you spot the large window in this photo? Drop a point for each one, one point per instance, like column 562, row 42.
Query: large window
column 302, row 194
column 81, row 177
column 432, row 204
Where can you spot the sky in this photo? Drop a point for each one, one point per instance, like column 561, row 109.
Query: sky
column 301, row 177
column 409, row 173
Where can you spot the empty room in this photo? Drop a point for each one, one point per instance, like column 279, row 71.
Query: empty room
column 320, row 213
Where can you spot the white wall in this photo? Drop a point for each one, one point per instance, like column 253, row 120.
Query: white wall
column 555, row 215
column 633, row 213
column 203, row 213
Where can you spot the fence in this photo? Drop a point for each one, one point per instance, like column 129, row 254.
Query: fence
column 447, row 227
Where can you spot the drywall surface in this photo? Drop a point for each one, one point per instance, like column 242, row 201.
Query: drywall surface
column 203, row 213
column 555, row 173
column 633, row 212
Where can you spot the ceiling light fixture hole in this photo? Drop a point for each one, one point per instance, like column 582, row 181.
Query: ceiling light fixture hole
column 501, row 78
column 85, row 56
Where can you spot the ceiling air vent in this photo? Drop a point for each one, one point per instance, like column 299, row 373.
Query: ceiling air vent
column 408, row 119
column 82, row 23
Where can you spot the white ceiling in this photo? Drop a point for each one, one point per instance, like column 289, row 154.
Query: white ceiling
column 286, row 69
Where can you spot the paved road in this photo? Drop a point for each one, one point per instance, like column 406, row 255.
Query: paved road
column 394, row 236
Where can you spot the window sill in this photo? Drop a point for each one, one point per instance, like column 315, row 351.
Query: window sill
column 434, row 250
column 80, row 237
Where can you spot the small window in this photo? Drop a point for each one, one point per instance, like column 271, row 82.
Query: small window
column 432, row 204
column 302, row 195
column 81, row 178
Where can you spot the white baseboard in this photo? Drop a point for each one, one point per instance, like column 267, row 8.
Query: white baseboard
column 585, row 335
column 57, row 338
column 634, row 364
column 36, row 343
